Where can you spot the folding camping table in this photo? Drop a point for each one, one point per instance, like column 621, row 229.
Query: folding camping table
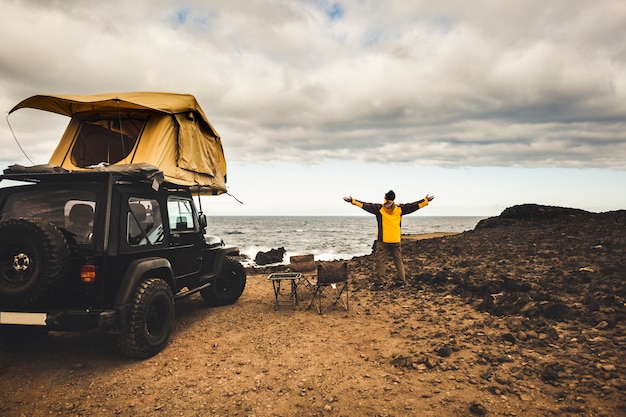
column 278, row 278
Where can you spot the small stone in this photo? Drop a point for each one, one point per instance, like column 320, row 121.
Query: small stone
column 602, row 325
column 508, row 337
column 478, row 409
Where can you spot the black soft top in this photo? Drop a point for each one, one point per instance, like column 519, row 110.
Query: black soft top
column 51, row 173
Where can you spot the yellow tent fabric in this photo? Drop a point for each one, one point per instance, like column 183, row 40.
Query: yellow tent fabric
column 167, row 130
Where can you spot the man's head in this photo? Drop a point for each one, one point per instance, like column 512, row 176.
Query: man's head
column 389, row 197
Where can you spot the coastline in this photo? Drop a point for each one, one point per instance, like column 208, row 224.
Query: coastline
column 420, row 236
column 254, row 268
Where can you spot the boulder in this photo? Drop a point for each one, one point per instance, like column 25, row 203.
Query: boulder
column 270, row 257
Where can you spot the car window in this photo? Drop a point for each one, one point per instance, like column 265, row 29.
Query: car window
column 180, row 214
column 79, row 216
column 144, row 224
column 71, row 210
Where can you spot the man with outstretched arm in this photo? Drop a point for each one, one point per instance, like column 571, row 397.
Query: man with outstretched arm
column 389, row 218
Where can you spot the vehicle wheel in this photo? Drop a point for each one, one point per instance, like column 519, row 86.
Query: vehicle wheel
column 149, row 323
column 228, row 285
column 34, row 260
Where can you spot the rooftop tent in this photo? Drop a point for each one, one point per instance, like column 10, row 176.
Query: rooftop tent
column 169, row 131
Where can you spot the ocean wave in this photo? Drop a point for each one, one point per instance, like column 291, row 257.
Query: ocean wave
column 327, row 238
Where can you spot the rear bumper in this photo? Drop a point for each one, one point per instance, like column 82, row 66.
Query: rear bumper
column 65, row 320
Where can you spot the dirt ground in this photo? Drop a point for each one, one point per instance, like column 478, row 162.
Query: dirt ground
column 523, row 316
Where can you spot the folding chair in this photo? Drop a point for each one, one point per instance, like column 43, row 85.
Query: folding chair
column 306, row 267
column 331, row 286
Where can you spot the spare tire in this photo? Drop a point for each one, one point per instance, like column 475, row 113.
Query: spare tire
column 34, row 261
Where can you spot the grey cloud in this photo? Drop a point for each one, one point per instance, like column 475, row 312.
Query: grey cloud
column 442, row 83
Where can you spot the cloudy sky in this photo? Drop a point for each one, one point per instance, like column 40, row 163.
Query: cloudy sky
column 484, row 104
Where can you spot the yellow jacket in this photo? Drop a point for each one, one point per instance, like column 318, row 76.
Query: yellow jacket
column 390, row 220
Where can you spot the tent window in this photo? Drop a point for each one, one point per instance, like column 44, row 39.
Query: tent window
column 106, row 139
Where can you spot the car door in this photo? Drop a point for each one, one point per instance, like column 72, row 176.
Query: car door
column 184, row 236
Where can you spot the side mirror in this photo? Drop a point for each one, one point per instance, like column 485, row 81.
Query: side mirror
column 202, row 220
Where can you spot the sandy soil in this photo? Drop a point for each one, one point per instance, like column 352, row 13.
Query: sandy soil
column 523, row 316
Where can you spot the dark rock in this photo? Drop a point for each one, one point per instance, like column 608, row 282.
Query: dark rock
column 270, row 257
column 555, row 310
column 402, row 361
column 478, row 409
column 508, row 337
column 444, row 351
column 551, row 371
column 530, row 212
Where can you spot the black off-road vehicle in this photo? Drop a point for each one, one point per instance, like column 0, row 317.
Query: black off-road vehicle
column 108, row 249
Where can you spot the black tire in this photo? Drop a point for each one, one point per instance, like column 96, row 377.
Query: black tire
column 228, row 286
column 34, row 261
column 149, row 325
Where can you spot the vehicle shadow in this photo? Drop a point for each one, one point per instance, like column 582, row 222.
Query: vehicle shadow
column 85, row 347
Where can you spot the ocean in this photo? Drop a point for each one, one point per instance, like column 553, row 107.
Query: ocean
column 326, row 237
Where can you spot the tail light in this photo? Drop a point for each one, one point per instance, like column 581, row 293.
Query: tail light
column 88, row 274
